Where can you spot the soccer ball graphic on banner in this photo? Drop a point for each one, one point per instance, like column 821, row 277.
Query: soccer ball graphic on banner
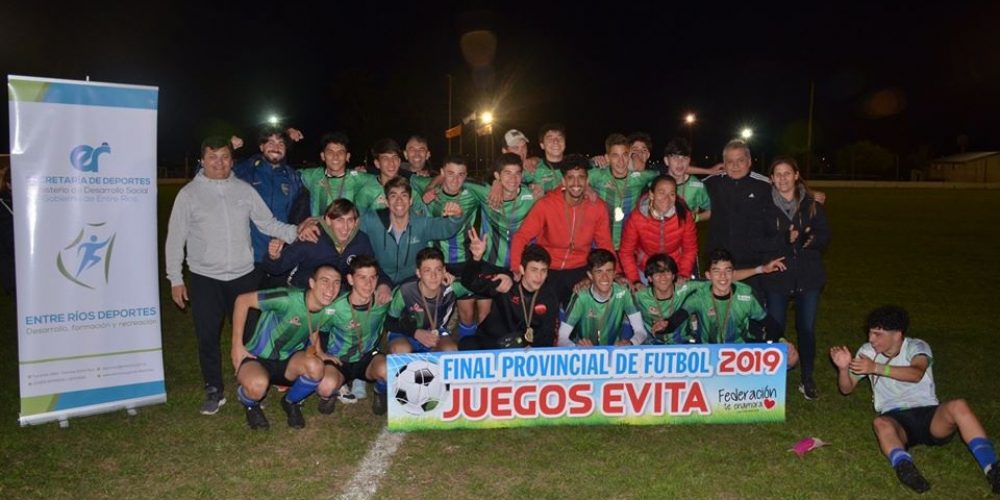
column 419, row 387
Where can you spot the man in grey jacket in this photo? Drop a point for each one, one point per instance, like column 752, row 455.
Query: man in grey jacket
column 211, row 217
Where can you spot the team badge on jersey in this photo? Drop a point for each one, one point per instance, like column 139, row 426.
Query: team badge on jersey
column 295, row 321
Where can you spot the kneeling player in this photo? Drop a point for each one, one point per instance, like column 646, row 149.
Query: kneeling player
column 525, row 315
column 596, row 313
column 350, row 351
column 727, row 311
column 420, row 310
column 273, row 353
column 899, row 368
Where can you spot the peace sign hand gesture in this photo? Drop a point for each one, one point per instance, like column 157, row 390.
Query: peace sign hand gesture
column 477, row 245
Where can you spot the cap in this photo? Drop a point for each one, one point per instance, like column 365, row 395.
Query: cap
column 513, row 135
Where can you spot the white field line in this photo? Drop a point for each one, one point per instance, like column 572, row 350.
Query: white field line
column 376, row 463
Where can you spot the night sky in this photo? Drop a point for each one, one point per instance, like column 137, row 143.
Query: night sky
column 901, row 76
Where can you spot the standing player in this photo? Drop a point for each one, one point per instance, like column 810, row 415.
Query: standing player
column 501, row 222
column 332, row 181
column 350, row 351
column 274, row 352
column 677, row 157
column 617, row 186
column 417, row 155
column 547, row 175
column 567, row 225
column 420, row 310
column 596, row 314
column 899, row 368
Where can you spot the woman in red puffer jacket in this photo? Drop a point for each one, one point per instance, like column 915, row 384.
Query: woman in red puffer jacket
column 663, row 224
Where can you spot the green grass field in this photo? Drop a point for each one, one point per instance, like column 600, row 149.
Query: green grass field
column 932, row 251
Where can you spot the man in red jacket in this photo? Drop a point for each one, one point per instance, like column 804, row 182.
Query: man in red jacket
column 567, row 225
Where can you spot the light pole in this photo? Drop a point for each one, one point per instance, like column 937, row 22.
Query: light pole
column 689, row 120
column 486, row 117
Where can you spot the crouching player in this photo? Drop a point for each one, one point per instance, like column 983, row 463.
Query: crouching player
column 420, row 310
column 659, row 302
column 274, row 352
column 726, row 311
column 899, row 368
column 595, row 314
column 350, row 350
column 523, row 315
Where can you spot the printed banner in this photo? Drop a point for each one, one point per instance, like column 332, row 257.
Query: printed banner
column 83, row 165
column 645, row 385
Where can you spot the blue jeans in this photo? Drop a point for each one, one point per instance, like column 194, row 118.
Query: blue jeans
column 806, row 306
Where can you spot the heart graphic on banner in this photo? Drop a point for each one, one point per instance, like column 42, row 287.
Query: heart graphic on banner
column 768, row 403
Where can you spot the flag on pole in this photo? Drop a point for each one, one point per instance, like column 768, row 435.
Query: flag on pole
column 453, row 132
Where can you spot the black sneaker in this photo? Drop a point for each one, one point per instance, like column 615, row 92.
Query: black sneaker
column 380, row 403
column 294, row 412
column 214, row 399
column 910, row 476
column 326, row 406
column 993, row 476
column 808, row 389
column 256, row 418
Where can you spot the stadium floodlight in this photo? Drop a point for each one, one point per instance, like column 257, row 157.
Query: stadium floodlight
column 272, row 119
column 746, row 133
column 689, row 119
column 486, row 117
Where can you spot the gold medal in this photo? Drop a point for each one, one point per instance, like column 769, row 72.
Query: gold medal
column 529, row 334
column 619, row 214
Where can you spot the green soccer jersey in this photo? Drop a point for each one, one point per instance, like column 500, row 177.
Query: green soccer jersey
column 456, row 248
column 355, row 330
column 410, row 307
column 544, row 175
column 694, row 194
column 500, row 224
column 370, row 196
column 723, row 321
column 599, row 322
column 620, row 195
column 283, row 327
column 654, row 310
column 323, row 189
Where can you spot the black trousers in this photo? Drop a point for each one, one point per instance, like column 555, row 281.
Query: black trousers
column 563, row 281
column 211, row 301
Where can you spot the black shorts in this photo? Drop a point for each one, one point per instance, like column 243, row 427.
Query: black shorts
column 916, row 422
column 456, row 270
column 355, row 370
column 275, row 369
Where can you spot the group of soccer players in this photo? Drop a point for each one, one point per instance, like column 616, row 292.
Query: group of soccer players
column 530, row 258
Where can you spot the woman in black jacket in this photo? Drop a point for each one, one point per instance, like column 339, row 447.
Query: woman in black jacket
column 795, row 227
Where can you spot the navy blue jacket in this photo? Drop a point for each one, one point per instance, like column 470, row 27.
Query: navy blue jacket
column 804, row 261
column 305, row 256
column 278, row 186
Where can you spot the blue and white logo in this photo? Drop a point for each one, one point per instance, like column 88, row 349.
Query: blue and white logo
column 84, row 158
column 92, row 246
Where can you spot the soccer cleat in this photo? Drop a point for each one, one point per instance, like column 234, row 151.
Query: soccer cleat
column 911, row 477
column 327, row 405
column 808, row 390
column 214, row 399
column 294, row 412
column 256, row 418
column 359, row 388
column 993, row 476
column 380, row 403
column 345, row 396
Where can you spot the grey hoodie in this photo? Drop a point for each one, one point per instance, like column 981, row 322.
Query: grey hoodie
column 211, row 217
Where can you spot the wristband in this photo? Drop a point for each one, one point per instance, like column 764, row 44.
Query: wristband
column 885, row 370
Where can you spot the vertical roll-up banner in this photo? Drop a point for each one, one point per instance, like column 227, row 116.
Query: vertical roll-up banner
column 83, row 165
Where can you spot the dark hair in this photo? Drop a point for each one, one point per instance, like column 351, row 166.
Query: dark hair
column 266, row 132
column 788, row 160
column 455, row 159
column 340, row 207
column 598, row 257
column 334, row 138
column 507, row 159
column 658, row 263
column 679, row 205
column 397, row 182
column 574, row 162
column 551, row 127
column 891, row 318
column 719, row 255
column 615, row 139
column 535, row 253
column 322, row 267
column 429, row 253
column 362, row 261
column 216, row 142
column 677, row 146
column 640, row 137
column 419, row 138
column 383, row 146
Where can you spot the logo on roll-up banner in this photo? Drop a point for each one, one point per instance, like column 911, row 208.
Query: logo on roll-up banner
column 86, row 261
